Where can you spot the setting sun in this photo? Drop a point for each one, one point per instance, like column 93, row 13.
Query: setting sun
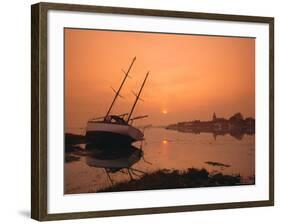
column 164, row 111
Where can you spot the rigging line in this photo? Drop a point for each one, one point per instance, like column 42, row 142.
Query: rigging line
column 137, row 98
column 118, row 92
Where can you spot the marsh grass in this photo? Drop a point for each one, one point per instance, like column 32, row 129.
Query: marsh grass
column 170, row 179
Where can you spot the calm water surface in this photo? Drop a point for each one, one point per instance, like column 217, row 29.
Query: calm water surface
column 169, row 149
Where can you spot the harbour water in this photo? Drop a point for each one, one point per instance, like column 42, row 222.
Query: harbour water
column 171, row 150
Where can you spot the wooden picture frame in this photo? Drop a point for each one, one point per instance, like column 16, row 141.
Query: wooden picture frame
column 39, row 109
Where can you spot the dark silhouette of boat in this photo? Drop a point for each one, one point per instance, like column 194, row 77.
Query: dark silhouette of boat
column 111, row 130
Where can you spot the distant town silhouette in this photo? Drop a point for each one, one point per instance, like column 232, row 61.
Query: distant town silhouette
column 236, row 126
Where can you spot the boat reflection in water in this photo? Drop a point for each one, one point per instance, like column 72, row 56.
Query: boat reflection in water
column 115, row 159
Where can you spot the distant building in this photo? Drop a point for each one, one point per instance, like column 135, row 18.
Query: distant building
column 219, row 123
column 214, row 116
column 218, row 119
column 236, row 126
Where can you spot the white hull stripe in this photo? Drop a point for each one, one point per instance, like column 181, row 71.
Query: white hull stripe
column 128, row 130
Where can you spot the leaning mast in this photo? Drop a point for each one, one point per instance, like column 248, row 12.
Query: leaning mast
column 137, row 98
column 118, row 92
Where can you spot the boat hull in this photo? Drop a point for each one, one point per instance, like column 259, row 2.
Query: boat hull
column 107, row 134
column 103, row 138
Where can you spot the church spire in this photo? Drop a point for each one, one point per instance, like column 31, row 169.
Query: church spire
column 214, row 116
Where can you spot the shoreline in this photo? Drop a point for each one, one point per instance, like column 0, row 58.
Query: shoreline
column 175, row 179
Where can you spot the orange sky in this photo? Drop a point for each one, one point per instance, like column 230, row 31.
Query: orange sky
column 190, row 76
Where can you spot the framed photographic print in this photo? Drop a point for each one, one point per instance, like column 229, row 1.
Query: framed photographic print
column 140, row 111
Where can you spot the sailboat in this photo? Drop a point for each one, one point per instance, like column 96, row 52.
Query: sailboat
column 116, row 129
